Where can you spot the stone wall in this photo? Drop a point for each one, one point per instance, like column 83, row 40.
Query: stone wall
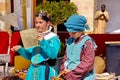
column 86, row 8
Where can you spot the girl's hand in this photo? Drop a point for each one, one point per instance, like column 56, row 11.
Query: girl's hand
column 40, row 36
column 15, row 48
column 65, row 71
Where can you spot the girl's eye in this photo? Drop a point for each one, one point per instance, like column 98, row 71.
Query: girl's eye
column 36, row 22
column 40, row 22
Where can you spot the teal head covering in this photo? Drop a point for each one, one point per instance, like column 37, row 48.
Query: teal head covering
column 76, row 23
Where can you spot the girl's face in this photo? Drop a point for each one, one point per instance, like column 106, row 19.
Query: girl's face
column 75, row 34
column 41, row 25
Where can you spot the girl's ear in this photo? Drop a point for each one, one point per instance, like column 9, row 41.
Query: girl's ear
column 48, row 23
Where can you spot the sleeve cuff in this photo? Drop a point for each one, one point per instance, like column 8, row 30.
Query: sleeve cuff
column 68, row 76
column 42, row 42
column 20, row 49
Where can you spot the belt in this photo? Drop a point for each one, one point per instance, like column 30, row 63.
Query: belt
column 39, row 64
column 47, row 69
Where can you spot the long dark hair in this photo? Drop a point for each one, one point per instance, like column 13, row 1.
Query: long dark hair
column 44, row 15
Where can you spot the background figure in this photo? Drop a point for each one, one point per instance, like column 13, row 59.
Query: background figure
column 101, row 18
column 78, row 61
column 43, row 56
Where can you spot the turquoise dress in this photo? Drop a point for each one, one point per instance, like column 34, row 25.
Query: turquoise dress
column 48, row 48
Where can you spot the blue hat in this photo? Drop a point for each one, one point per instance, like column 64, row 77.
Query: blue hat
column 76, row 23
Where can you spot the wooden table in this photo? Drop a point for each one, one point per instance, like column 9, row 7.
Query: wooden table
column 104, row 77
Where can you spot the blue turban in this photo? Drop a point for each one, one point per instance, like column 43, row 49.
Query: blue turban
column 76, row 23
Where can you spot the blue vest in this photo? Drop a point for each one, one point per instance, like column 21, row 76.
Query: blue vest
column 73, row 55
